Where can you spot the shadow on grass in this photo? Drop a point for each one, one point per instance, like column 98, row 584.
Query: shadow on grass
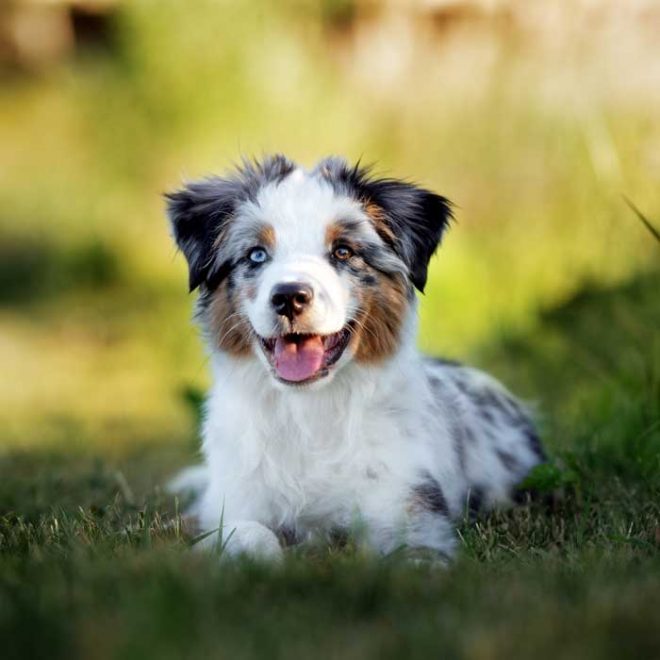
column 593, row 364
column 600, row 337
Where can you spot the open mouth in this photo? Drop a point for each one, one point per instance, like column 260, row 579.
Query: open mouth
column 302, row 358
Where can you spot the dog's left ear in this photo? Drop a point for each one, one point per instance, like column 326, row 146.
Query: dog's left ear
column 417, row 219
column 409, row 218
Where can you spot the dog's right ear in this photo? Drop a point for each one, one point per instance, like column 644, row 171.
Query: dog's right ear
column 198, row 212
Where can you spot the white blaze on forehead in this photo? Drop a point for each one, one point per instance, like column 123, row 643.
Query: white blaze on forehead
column 298, row 175
column 300, row 208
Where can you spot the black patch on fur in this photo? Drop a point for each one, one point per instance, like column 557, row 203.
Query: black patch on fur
column 487, row 415
column 416, row 217
column 535, row 442
column 519, row 418
column 372, row 474
column 488, row 402
column 431, row 497
column 373, row 255
column 470, row 436
column 363, row 273
column 508, row 460
column 474, row 501
column 198, row 212
column 460, row 384
column 368, row 280
column 460, row 433
column 485, row 399
column 444, row 362
column 288, row 536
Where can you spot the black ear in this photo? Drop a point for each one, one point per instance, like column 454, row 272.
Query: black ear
column 197, row 213
column 416, row 217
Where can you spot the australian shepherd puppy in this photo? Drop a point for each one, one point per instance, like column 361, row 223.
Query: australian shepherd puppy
column 323, row 417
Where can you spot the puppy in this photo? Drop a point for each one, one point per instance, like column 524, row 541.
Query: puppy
column 323, row 417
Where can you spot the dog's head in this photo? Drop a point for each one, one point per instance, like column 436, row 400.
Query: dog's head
column 306, row 269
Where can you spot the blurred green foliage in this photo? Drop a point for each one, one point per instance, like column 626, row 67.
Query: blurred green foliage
column 94, row 326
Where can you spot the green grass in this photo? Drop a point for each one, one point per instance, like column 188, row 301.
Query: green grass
column 94, row 562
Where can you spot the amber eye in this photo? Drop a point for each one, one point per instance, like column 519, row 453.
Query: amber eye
column 342, row 253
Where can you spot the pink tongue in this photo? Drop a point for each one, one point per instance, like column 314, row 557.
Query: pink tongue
column 299, row 360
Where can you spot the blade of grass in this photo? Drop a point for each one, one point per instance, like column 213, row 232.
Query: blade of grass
column 643, row 219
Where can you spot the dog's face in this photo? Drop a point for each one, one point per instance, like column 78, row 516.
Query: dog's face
column 307, row 270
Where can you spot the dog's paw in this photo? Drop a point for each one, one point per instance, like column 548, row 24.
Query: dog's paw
column 427, row 557
column 244, row 538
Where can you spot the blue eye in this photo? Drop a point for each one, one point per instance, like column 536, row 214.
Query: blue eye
column 257, row 255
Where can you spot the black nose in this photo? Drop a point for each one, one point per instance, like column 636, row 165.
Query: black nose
column 292, row 298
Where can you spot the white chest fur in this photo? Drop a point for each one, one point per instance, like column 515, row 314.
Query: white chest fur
column 321, row 458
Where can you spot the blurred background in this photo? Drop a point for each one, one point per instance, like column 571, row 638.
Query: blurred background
column 535, row 118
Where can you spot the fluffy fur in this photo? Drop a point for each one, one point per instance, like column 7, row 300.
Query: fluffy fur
column 323, row 417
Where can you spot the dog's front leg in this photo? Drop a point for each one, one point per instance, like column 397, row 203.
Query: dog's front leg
column 412, row 520
column 427, row 536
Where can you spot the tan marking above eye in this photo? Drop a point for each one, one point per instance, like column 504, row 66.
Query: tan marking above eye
column 377, row 217
column 266, row 236
column 333, row 233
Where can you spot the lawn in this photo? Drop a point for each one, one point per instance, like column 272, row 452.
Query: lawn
column 95, row 564
column 547, row 278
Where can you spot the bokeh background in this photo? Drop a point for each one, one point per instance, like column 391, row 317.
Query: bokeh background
column 535, row 118
column 538, row 118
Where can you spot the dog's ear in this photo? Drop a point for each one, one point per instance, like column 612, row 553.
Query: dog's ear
column 197, row 213
column 409, row 218
column 416, row 217
column 200, row 211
